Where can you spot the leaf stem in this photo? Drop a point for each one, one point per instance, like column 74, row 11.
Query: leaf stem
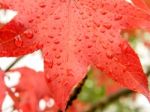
column 109, row 100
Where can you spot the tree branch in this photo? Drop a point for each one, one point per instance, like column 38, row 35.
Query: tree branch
column 109, row 100
column 13, row 63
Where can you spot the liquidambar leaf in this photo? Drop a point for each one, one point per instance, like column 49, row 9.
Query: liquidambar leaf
column 31, row 88
column 74, row 34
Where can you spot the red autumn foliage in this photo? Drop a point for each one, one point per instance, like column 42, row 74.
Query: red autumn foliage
column 32, row 88
column 73, row 35
column 3, row 88
column 145, row 4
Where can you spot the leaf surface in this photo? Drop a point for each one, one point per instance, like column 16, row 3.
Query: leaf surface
column 74, row 34
column 31, row 88
column 3, row 88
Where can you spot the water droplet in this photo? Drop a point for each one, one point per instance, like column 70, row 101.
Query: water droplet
column 109, row 54
column 66, row 84
column 28, row 34
column 56, row 17
column 51, row 36
column 99, row 66
column 42, row 5
column 90, row 14
column 31, row 20
column 38, row 17
column 48, row 78
column 104, row 45
column 79, row 39
column 56, row 76
column 49, row 63
column 54, row 49
column 116, row 59
column 86, row 37
column 81, row 13
column 18, row 41
column 124, row 69
column 89, row 46
column 62, row 0
column 124, row 46
column 98, row 52
column 61, row 50
column 58, row 63
column 110, row 71
column 118, row 17
column 115, row 79
column 103, row 12
column 89, row 55
column 54, row 28
column 57, row 56
column 78, row 51
column 111, row 40
column 56, row 42
column 97, row 22
column 107, row 26
column 39, row 45
column 59, row 81
column 115, row 5
column 69, row 72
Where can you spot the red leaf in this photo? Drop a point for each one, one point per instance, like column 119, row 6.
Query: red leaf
column 31, row 88
column 2, row 88
column 145, row 4
column 76, row 34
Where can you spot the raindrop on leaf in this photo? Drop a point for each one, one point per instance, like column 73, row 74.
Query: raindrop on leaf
column 118, row 17
column 28, row 34
column 123, row 46
column 109, row 54
column 107, row 26
column 18, row 41
column 42, row 5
